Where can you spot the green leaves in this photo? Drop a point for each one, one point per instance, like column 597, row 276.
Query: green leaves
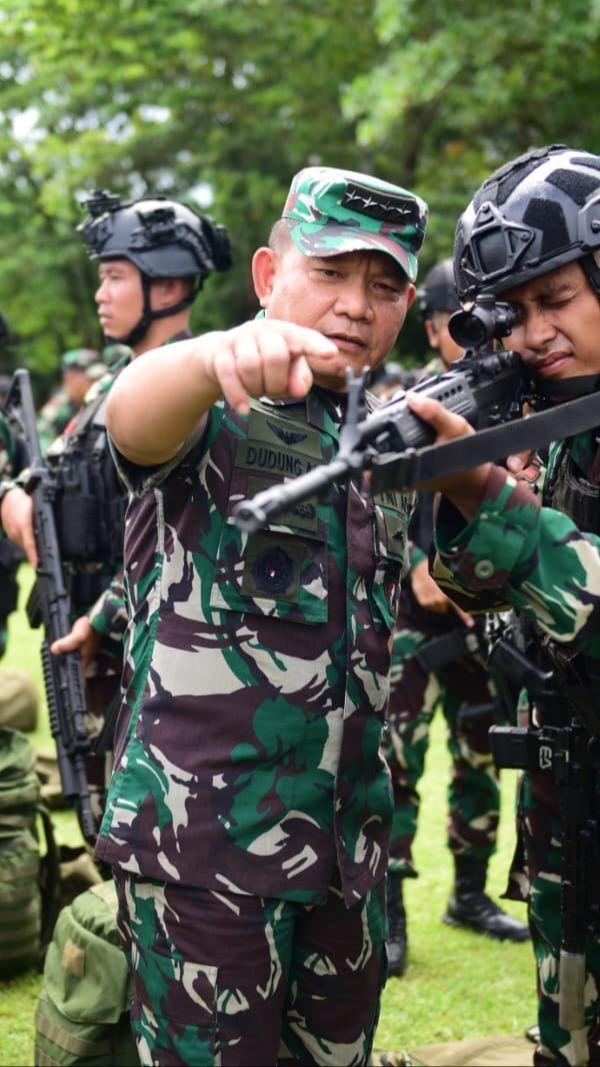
column 234, row 96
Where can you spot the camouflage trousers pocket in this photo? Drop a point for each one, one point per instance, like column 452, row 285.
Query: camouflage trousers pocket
column 174, row 1010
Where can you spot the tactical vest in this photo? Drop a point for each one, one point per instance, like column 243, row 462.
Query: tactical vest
column 573, row 494
column 89, row 505
column 570, row 492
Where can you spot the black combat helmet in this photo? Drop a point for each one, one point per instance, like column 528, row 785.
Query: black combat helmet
column 532, row 215
column 438, row 291
column 163, row 238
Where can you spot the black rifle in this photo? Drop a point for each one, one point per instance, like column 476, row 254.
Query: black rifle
column 461, row 642
column 566, row 748
column 49, row 604
column 487, row 387
column 457, row 643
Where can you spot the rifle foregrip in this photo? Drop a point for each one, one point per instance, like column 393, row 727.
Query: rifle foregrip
column 72, row 743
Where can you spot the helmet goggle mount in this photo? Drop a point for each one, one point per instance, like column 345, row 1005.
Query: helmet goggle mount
column 495, row 246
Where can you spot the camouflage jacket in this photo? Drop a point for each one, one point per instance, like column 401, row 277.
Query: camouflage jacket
column 53, row 417
column 256, row 675
column 528, row 552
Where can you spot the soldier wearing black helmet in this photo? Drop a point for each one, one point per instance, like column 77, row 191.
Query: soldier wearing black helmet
column 531, row 235
column 154, row 255
column 460, row 684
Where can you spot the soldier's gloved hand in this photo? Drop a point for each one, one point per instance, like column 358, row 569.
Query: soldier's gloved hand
column 16, row 515
column 265, row 357
column 81, row 638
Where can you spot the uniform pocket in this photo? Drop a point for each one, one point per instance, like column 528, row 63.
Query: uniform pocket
column 280, row 571
column 392, row 512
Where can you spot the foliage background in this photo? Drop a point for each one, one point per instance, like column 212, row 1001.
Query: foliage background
column 219, row 102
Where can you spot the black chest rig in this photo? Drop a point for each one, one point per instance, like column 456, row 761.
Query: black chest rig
column 90, row 500
column 572, row 493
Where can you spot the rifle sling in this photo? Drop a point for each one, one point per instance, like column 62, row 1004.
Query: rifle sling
column 420, row 466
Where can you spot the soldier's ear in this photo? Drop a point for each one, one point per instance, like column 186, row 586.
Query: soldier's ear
column 264, row 266
column 166, row 292
column 432, row 333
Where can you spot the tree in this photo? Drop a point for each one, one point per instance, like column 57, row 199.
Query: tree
column 218, row 102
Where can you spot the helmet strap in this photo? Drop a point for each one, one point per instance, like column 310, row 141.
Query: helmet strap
column 592, row 271
column 141, row 328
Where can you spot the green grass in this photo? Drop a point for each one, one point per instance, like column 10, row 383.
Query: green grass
column 457, row 985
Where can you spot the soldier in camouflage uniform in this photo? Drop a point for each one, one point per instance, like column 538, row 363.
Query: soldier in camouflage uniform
column 153, row 255
column 532, row 235
column 249, row 810
column 461, row 686
column 80, row 368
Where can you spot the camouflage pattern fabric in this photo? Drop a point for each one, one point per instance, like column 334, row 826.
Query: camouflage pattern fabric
column 331, row 211
column 433, row 368
column 473, row 794
column 537, row 559
column 247, row 754
column 54, row 416
column 108, row 615
column 505, row 556
column 536, row 877
column 226, row 978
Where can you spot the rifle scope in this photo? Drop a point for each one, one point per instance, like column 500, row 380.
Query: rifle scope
column 486, row 321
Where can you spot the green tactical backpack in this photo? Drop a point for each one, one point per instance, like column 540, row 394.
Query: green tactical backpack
column 83, row 1009
column 28, row 882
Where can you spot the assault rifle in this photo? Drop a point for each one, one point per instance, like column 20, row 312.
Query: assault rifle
column 461, row 642
column 49, row 604
column 487, row 387
column 567, row 747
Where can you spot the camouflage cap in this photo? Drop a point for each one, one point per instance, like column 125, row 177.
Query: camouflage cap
column 79, row 358
column 96, row 371
column 330, row 211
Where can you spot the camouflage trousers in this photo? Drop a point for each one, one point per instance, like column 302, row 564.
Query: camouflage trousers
column 536, row 877
column 473, row 793
column 228, row 978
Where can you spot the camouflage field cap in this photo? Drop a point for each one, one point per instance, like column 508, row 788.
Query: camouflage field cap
column 329, row 211
column 79, row 358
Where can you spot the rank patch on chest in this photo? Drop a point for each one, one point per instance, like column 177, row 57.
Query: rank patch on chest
column 272, row 569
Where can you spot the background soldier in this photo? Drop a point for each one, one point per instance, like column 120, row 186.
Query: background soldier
column 154, row 255
column 249, row 794
column 427, row 673
column 80, row 368
column 531, row 235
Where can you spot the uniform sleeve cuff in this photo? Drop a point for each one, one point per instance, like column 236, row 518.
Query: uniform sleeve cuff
column 484, row 552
